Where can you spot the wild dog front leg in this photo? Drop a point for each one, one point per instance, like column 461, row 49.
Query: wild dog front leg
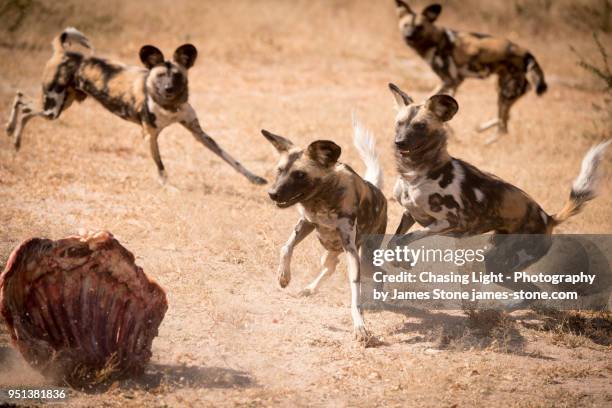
column 329, row 263
column 300, row 231
column 152, row 135
column 193, row 125
column 348, row 232
column 435, row 228
column 405, row 224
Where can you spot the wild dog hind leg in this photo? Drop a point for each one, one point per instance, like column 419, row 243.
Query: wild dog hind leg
column 510, row 88
column 21, row 115
column 447, row 87
column 15, row 109
column 512, row 253
column 54, row 103
column 329, row 261
column 488, row 124
column 348, row 232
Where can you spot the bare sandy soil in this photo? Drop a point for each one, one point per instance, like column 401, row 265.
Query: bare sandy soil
column 231, row 336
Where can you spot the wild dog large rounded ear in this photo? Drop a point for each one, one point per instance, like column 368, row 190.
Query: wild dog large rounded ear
column 185, row 55
column 401, row 4
column 401, row 97
column 151, row 56
column 280, row 143
column 324, row 152
column 443, row 106
column 432, row 12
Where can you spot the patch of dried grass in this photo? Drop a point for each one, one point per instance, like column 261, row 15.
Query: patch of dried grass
column 578, row 328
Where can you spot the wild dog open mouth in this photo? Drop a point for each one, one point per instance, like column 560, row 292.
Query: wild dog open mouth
column 290, row 201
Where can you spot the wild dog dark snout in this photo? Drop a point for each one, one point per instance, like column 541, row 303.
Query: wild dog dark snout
column 290, row 186
column 411, row 136
column 287, row 187
column 273, row 194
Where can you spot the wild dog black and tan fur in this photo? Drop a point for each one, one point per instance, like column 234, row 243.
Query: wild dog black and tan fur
column 455, row 56
column 153, row 97
column 448, row 196
column 334, row 201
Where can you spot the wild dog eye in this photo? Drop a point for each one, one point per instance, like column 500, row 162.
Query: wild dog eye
column 419, row 126
column 298, row 174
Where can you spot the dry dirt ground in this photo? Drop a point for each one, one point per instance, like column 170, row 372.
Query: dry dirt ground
column 231, row 336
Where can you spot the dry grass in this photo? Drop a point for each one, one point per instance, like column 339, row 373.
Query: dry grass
column 231, row 337
column 576, row 328
column 89, row 379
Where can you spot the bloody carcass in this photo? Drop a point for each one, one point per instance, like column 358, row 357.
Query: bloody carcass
column 79, row 309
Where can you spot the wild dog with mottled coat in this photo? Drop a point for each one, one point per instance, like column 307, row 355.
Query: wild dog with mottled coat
column 448, row 196
column 153, row 97
column 455, row 56
column 333, row 200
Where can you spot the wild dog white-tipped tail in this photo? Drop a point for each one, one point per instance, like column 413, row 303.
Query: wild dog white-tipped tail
column 585, row 185
column 366, row 146
column 70, row 35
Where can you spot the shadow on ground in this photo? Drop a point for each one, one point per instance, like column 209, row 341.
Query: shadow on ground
column 483, row 329
column 186, row 376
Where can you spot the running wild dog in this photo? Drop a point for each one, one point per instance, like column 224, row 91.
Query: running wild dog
column 455, row 56
column 153, row 97
column 333, row 200
column 448, row 196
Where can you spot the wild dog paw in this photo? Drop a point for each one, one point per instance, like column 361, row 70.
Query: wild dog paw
column 11, row 124
column 361, row 334
column 283, row 278
column 258, row 180
column 492, row 139
column 162, row 177
column 487, row 125
column 306, row 292
column 9, row 128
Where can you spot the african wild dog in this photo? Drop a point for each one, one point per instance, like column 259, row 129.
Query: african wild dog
column 153, row 97
column 448, row 196
column 333, row 200
column 455, row 56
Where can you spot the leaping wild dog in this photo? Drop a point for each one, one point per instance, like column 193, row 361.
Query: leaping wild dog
column 153, row 97
column 448, row 196
column 333, row 200
column 455, row 56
